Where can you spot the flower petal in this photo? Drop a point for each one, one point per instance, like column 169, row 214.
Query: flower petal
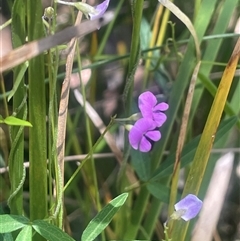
column 159, row 118
column 145, row 145
column 147, row 98
column 145, row 124
column 192, row 204
column 100, row 9
column 161, row 107
column 134, row 137
column 153, row 135
column 146, row 101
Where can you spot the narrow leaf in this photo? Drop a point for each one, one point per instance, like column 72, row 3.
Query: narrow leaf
column 6, row 237
column 13, row 121
column 25, row 234
column 18, row 80
column 183, row 17
column 50, row 232
column 103, row 218
column 10, row 223
column 189, row 150
column 141, row 164
column 159, row 191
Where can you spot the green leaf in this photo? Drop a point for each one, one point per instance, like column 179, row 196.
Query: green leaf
column 25, row 234
column 159, row 191
column 6, row 237
column 10, row 223
column 141, row 164
column 103, row 218
column 145, row 34
column 18, row 80
column 50, row 232
column 13, row 121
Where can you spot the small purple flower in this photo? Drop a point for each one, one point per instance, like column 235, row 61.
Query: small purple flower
column 142, row 133
column 147, row 103
column 100, row 9
column 89, row 11
column 187, row 208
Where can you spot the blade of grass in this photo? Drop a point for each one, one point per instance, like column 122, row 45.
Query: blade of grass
column 184, row 19
column 214, row 199
column 203, row 151
column 181, row 140
column 137, row 8
column 204, row 16
column 16, row 157
column 212, row 89
column 213, row 46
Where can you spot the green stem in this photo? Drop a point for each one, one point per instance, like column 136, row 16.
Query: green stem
column 137, row 215
column 37, row 116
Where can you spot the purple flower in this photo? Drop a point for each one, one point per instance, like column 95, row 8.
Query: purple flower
column 142, row 133
column 147, row 103
column 89, row 11
column 187, row 208
column 100, row 9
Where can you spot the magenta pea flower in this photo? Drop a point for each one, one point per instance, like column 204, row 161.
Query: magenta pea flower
column 147, row 103
column 142, row 133
column 187, row 208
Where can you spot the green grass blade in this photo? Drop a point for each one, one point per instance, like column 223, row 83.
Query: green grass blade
column 201, row 158
column 204, row 16
column 213, row 46
column 137, row 8
column 16, row 157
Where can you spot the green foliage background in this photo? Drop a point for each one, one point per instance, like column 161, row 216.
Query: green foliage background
column 144, row 47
